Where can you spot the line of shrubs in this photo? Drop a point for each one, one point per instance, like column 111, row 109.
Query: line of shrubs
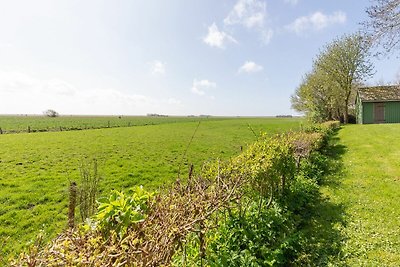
column 253, row 210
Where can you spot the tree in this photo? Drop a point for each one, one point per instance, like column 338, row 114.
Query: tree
column 383, row 27
column 316, row 98
column 346, row 63
column 51, row 113
column 326, row 92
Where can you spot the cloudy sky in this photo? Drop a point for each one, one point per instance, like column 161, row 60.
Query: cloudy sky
column 219, row 57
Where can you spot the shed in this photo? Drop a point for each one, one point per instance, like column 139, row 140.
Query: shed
column 378, row 104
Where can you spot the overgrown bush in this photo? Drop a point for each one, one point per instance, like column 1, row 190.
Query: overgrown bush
column 330, row 125
column 259, row 236
column 316, row 167
column 249, row 211
column 265, row 230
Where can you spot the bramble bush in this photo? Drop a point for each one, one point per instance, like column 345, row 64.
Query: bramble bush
column 249, row 211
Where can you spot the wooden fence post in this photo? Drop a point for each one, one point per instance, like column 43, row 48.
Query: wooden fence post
column 202, row 249
column 72, row 204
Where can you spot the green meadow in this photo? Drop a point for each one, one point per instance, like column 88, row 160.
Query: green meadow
column 367, row 189
column 36, row 168
column 22, row 123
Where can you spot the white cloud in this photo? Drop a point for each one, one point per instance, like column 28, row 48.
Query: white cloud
column 250, row 67
column 5, row 45
column 59, row 87
column 158, row 67
column 292, row 2
column 173, row 101
column 316, row 21
column 397, row 78
column 21, row 93
column 266, row 36
column 252, row 15
column 249, row 13
column 200, row 87
column 217, row 38
column 14, row 82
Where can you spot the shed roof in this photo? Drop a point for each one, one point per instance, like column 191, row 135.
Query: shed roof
column 379, row 93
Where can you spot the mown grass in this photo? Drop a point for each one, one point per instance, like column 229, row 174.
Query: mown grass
column 35, row 168
column 368, row 190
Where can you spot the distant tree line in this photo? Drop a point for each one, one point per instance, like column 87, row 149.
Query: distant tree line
column 155, row 115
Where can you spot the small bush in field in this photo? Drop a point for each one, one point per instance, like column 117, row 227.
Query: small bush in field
column 51, row 113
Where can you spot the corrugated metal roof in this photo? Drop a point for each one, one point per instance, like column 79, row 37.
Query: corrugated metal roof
column 380, row 93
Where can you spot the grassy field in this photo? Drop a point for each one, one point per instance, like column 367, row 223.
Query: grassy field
column 35, row 168
column 22, row 123
column 368, row 190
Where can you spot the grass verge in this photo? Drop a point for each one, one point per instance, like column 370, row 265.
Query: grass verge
column 368, row 188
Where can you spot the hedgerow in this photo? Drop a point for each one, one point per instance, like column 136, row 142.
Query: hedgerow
column 248, row 211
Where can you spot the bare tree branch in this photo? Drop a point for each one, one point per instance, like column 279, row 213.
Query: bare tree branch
column 383, row 28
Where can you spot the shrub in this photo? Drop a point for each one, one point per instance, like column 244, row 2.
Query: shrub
column 316, row 167
column 301, row 196
column 248, row 211
column 330, row 125
column 120, row 211
column 257, row 237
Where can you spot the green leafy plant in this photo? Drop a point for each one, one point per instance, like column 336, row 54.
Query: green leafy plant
column 120, row 211
column 253, row 238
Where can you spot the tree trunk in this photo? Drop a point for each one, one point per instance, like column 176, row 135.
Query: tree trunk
column 346, row 114
column 346, row 107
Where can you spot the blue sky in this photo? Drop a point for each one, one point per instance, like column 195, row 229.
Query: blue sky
column 177, row 57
